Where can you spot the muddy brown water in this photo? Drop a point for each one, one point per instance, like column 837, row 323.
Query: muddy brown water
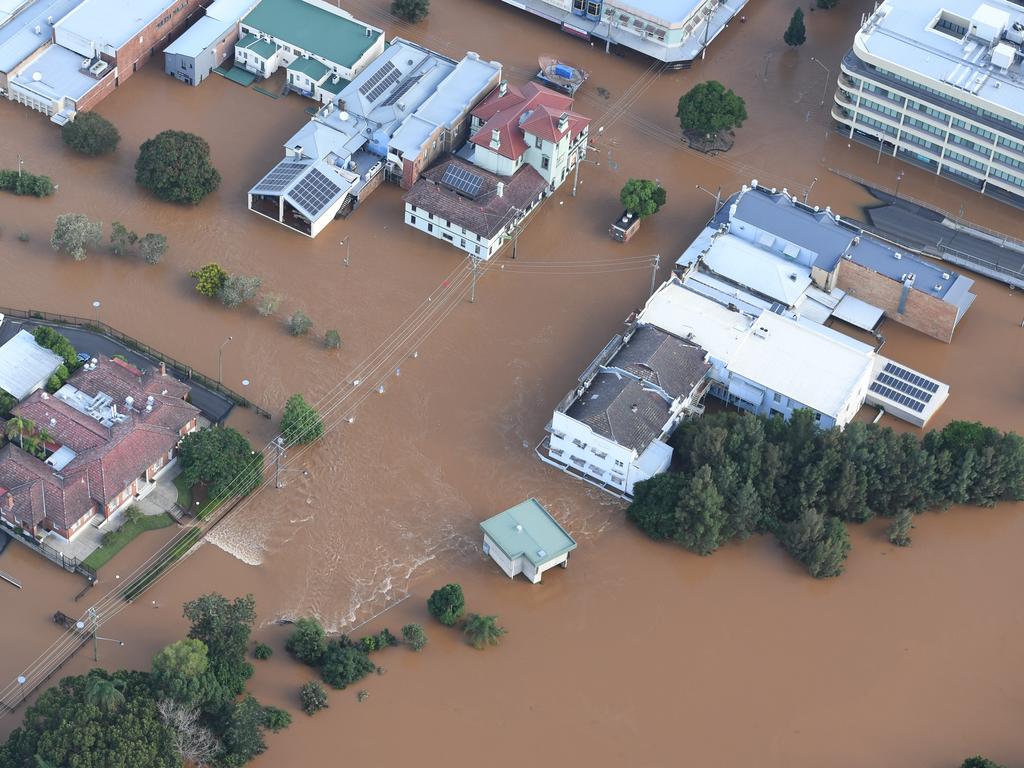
column 638, row 654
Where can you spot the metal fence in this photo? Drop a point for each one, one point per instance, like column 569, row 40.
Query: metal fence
column 176, row 367
column 72, row 564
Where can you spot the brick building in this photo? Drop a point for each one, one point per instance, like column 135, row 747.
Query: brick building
column 94, row 446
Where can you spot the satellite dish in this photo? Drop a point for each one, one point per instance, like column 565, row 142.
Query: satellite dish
column 37, row 76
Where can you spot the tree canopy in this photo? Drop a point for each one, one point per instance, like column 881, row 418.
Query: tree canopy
column 222, row 459
column 795, row 34
column 447, row 604
column 210, row 279
column 90, row 134
column 175, row 166
column 343, row 663
column 709, row 108
column 307, row 642
column 58, row 343
column 411, row 10
column 224, row 627
column 300, row 422
column 642, row 197
column 75, row 234
column 482, row 631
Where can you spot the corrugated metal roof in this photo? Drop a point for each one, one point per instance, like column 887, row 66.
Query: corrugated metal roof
column 528, row 530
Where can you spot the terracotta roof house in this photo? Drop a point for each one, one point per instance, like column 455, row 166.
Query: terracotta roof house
column 107, row 434
column 521, row 139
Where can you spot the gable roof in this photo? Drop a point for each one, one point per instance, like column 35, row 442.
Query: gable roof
column 24, row 364
column 662, row 359
column 313, row 27
column 618, row 407
column 530, row 107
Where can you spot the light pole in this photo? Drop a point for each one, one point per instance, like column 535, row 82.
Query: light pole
column 717, row 195
column 576, row 176
column 20, row 164
column 220, row 360
column 707, row 29
column 828, row 79
column 94, row 622
column 96, row 310
column 899, row 178
column 807, row 192
column 347, row 242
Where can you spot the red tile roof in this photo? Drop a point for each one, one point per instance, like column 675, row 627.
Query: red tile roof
column 76, row 430
column 505, row 113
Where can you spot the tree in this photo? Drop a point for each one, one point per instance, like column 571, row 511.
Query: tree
column 90, row 134
column 795, row 34
column 977, row 761
column 447, row 604
column 482, row 631
column 63, row 729
column 106, row 694
column 7, row 402
column 332, row 339
column 75, row 234
column 224, row 626
column 701, row 514
column 343, row 663
column 121, row 238
column 243, row 737
column 57, row 343
column 411, row 10
column 709, row 108
column 820, row 543
column 209, row 280
column 194, row 742
column 262, row 652
column 899, row 531
column 826, row 4
column 313, row 697
column 299, row 323
column 276, row 719
column 642, row 197
column 152, row 247
column 269, row 302
column 175, row 166
column 181, row 673
column 238, row 289
column 300, row 423
column 414, row 635
column 222, row 459
column 307, row 641
column 654, row 503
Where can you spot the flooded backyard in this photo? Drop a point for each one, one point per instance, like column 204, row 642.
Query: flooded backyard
column 638, row 654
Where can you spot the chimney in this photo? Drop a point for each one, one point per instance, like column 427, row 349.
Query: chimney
column 495, row 139
column 563, row 122
column 501, row 189
column 163, row 368
column 503, row 87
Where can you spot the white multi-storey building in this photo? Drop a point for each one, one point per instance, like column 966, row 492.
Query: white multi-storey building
column 939, row 83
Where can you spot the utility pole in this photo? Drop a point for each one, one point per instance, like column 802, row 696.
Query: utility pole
column 654, row 271
column 94, row 620
column 347, row 242
column 279, row 449
column 220, row 360
column 472, row 290
column 807, row 192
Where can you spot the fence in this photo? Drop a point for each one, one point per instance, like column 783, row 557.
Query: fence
column 176, row 366
column 72, row 564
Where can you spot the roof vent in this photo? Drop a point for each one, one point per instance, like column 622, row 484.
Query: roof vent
column 856, row 240
column 897, row 255
column 754, row 183
column 37, row 76
column 633, row 408
column 129, row 401
column 53, row 422
column 945, row 275
column 542, row 553
column 44, row 396
column 519, row 528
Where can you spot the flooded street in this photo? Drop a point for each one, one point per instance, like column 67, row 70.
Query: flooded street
column 638, row 654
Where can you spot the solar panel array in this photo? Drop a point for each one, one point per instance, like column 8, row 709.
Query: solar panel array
column 400, row 91
column 915, row 405
column 386, row 69
column 280, row 176
column 913, row 378
column 904, row 387
column 464, row 182
column 315, row 192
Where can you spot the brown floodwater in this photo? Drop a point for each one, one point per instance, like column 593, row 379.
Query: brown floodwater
column 638, row 654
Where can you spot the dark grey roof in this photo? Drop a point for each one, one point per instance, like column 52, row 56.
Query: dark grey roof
column 619, row 408
column 665, row 360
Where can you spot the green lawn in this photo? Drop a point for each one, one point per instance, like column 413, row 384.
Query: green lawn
column 187, row 503
column 120, row 538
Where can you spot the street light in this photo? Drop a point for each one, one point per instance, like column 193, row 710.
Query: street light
column 80, row 626
column 576, row 176
column 828, row 79
column 807, row 192
column 899, row 178
column 717, row 195
column 220, row 360
column 347, row 242
column 20, row 164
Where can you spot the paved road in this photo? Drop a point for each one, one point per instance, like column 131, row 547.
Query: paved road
column 921, row 228
column 214, row 405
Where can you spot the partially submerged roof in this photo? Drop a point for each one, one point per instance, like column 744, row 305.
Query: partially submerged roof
column 329, row 33
column 528, row 530
column 24, row 365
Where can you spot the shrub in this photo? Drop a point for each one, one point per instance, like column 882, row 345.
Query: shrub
column 90, row 134
column 121, row 239
column 57, row 343
column 411, row 10
column 132, row 515
column 299, row 323
column 642, row 197
column 23, row 236
column 482, row 631
column 175, row 167
column 53, row 384
column 276, row 718
column 152, row 247
column 313, row 697
column 307, row 642
column 209, row 279
column 75, row 234
column 332, row 339
column 447, row 604
column 262, row 651
column 414, row 635
column 344, row 664
column 300, row 422
column 269, row 302
column 238, row 289
column 977, row 761
column 26, row 183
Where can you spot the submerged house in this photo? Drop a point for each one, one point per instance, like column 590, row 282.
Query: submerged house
column 526, row 539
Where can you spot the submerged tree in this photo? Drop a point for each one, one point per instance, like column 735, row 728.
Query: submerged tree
column 75, row 234
column 300, row 423
column 90, row 134
column 642, row 197
column 411, row 10
column 709, row 108
column 175, row 167
column 447, row 604
column 795, row 34
column 482, row 631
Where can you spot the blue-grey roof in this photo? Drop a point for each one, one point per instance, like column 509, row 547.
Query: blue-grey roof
column 528, row 530
column 18, row 37
column 111, row 22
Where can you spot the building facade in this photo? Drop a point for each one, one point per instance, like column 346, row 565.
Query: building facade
column 208, row 43
column 938, row 83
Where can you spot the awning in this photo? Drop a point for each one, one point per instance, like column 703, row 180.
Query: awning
column 746, row 392
column 858, row 313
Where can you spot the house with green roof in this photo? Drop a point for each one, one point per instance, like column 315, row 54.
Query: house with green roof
column 322, row 46
column 526, row 539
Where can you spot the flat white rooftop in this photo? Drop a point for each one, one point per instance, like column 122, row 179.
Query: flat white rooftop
column 111, row 22
column 18, row 36
column 745, row 264
column 920, row 36
column 24, row 364
column 59, row 75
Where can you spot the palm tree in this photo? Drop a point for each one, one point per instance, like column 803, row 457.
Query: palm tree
column 16, row 427
column 31, row 438
column 482, row 631
column 40, row 763
column 103, row 693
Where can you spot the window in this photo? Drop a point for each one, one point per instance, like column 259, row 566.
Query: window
column 538, row 142
column 430, row 227
column 599, row 454
column 578, row 443
column 412, row 208
column 545, row 162
column 462, row 242
column 619, row 463
column 777, row 397
column 476, row 250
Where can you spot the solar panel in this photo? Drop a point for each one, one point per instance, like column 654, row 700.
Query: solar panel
column 890, row 394
column 462, row 181
column 904, row 387
column 280, row 176
column 378, row 90
column 376, row 77
column 401, row 90
column 315, row 192
column 913, row 378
